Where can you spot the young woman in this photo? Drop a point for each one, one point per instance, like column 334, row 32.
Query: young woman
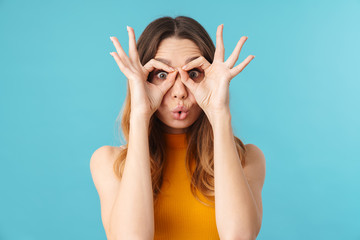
column 182, row 173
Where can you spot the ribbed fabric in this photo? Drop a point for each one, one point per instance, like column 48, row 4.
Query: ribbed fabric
column 178, row 215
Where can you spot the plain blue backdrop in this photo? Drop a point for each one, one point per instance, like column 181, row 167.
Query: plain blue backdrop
column 298, row 101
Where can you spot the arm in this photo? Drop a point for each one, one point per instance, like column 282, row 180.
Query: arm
column 237, row 200
column 133, row 211
column 238, row 212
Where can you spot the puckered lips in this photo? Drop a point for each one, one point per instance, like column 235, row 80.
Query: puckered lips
column 180, row 112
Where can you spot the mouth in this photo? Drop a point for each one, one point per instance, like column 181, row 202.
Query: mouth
column 180, row 112
column 180, row 115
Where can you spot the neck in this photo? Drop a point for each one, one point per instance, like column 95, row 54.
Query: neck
column 176, row 140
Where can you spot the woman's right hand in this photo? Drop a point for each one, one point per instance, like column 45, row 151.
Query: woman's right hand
column 146, row 97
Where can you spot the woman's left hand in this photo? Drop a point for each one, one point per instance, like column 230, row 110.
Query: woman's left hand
column 212, row 92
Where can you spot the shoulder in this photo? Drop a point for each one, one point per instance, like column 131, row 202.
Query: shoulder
column 253, row 151
column 105, row 181
column 103, row 159
column 255, row 164
column 254, row 170
column 103, row 154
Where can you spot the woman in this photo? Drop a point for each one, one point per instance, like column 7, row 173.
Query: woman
column 181, row 156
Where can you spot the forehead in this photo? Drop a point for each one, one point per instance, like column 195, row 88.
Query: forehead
column 174, row 51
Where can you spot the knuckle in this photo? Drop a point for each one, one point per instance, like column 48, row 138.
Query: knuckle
column 203, row 59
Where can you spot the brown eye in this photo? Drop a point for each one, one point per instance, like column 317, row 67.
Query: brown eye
column 195, row 73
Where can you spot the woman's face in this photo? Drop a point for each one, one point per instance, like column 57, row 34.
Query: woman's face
column 176, row 53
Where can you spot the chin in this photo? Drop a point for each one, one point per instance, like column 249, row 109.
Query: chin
column 176, row 124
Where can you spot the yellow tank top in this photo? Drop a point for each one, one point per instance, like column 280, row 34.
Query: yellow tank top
column 178, row 214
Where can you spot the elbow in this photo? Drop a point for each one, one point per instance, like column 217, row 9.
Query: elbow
column 125, row 234
column 241, row 237
column 236, row 235
column 130, row 234
column 130, row 237
column 251, row 234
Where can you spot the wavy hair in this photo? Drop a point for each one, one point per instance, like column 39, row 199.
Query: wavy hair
column 199, row 135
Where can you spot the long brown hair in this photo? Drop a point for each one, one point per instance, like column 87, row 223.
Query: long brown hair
column 199, row 134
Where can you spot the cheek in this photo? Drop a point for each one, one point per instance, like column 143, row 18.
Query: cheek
column 161, row 114
column 165, row 99
column 192, row 98
column 164, row 105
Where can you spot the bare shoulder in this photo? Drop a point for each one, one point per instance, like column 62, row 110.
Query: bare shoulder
column 104, row 156
column 101, row 156
column 105, row 180
column 255, row 170
column 101, row 167
column 255, row 161
column 254, row 151
column 102, row 161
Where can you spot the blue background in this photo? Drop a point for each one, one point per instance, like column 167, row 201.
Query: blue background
column 298, row 101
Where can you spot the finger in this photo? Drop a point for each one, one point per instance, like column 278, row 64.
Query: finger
column 198, row 62
column 121, row 65
column 219, row 51
column 230, row 62
column 236, row 70
column 167, row 84
column 188, row 82
column 132, row 45
column 120, row 50
column 152, row 64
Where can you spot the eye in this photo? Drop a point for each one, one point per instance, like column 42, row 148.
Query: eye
column 161, row 74
column 194, row 73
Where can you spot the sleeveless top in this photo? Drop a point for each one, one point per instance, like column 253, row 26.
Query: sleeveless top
column 178, row 214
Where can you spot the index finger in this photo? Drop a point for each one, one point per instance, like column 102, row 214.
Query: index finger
column 197, row 62
column 134, row 56
column 119, row 49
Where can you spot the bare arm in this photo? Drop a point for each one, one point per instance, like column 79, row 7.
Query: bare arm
column 133, row 212
column 237, row 199
column 237, row 202
column 126, row 205
column 132, row 215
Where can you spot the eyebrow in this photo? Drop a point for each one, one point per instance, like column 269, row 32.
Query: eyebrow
column 169, row 62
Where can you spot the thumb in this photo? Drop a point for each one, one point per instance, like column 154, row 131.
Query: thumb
column 167, row 84
column 188, row 82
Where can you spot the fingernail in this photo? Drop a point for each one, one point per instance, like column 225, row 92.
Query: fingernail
column 184, row 67
column 171, row 69
column 110, row 38
column 127, row 27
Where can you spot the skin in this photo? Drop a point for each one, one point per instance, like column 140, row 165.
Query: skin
column 175, row 52
column 238, row 200
column 210, row 90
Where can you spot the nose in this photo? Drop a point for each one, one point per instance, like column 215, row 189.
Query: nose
column 179, row 90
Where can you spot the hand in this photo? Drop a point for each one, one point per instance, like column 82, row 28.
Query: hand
column 145, row 96
column 212, row 93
